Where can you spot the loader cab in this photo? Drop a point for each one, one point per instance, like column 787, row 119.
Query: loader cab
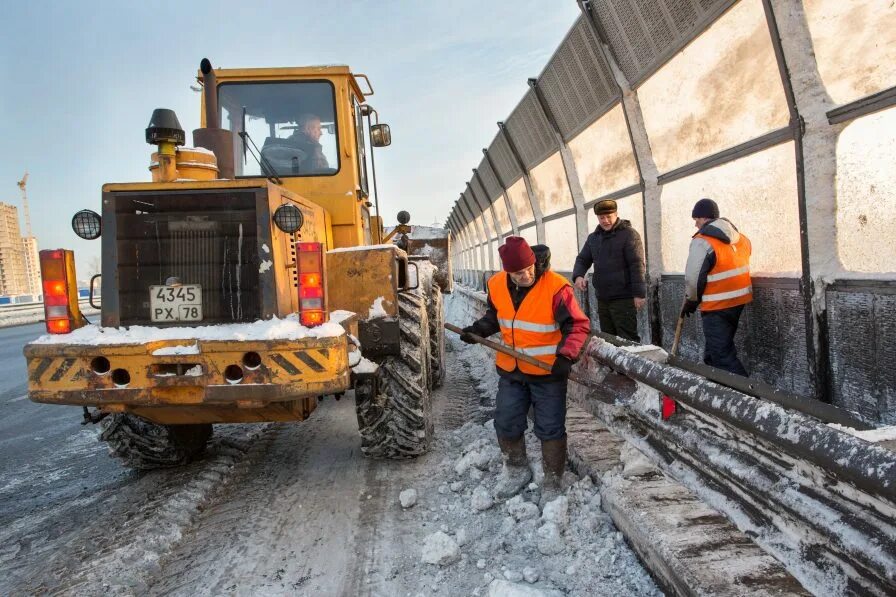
column 304, row 127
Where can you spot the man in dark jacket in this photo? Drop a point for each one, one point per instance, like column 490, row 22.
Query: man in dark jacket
column 615, row 250
column 536, row 312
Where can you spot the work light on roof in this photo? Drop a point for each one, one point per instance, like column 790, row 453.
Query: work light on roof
column 87, row 224
column 288, row 218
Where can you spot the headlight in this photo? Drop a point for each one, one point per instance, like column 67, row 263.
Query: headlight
column 87, row 224
column 288, row 218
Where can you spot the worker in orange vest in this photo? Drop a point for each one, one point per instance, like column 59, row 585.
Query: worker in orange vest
column 536, row 313
column 717, row 279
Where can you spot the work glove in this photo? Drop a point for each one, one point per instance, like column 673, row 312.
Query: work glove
column 466, row 335
column 689, row 307
column 561, row 366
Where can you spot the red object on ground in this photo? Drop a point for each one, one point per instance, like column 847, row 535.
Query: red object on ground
column 668, row 407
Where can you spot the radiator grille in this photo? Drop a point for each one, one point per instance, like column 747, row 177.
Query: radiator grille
column 200, row 238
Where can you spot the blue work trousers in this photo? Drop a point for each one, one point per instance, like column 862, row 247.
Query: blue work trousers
column 719, row 328
column 548, row 401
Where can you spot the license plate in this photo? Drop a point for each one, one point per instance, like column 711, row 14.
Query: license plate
column 175, row 303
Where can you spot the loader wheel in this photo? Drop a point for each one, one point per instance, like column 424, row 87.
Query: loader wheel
column 395, row 414
column 436, row 337
column 142, row 444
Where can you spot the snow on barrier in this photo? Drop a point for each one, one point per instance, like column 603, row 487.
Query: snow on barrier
column 819, row 499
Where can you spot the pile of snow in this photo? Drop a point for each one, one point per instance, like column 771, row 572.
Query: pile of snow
column 287, row 328
column 472, row 544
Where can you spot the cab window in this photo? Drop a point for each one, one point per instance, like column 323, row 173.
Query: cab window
column 362, row 147
column 292, row 124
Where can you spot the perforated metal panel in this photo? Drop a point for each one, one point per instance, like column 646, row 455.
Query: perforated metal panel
column 862, row 339
column 492, row 187
column 771, row 337
column 577, row 83
column 478, row 195
column 530, row 131
column 505, row 163
column 645, row 33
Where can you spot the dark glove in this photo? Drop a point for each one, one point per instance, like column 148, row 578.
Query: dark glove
column 466, row 335
column 689, row 307
column 561, row 367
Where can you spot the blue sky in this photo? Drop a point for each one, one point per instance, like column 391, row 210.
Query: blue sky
column 80, row 81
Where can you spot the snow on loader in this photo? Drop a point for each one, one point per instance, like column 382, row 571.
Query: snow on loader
column 247, row 280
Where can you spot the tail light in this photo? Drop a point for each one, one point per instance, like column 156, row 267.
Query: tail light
column 312, row 296
column 61, row 311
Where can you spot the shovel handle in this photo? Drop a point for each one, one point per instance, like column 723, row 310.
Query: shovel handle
column 510, row 352
column 677, row 339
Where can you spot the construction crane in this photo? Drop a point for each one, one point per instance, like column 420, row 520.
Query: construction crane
column 22, row 185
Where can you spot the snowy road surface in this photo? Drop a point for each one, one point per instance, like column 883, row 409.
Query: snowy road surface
column 288, row 509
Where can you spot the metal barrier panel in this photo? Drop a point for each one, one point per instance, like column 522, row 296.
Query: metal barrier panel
column 757, row 193
column 645, row 33
column 577, row 83
column 722, row 90
column 492, row 186
column 503, row 221
column 862, row 327
column 550, row 186
column 770, row 339
column 603, row 156
column 529, row 234
column 866, row 194
column 560, row 236
column 854, row 44
column 530, row 131
column 505, row 164
column 519, row 201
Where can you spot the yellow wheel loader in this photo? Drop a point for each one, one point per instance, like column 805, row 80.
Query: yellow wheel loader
column 249, row 279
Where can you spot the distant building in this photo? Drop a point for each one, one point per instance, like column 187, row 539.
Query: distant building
column 14, row 277
column 32, row 266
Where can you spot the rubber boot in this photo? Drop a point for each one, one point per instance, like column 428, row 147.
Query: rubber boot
column 553, row 453
column 515, row 474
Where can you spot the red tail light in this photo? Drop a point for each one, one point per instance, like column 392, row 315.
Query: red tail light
column 312, row 296
column 57, row 272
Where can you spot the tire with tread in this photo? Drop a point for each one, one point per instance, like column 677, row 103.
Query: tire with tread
column 397, row 422
column 141, row 444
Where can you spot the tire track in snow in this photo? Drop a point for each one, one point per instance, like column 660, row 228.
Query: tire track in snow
column 123, row 531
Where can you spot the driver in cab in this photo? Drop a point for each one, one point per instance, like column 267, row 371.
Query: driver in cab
column 301, row 152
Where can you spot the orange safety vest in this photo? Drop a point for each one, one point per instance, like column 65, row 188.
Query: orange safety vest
column 728, row 282
column 532, row 330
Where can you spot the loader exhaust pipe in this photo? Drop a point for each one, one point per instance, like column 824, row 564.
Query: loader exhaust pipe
column 210, row 94
column 219, row 141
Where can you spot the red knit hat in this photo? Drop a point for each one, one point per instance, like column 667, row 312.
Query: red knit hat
column 516, row 254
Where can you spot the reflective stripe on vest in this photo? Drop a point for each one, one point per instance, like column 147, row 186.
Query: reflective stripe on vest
column 532, row 329
column 728, row 283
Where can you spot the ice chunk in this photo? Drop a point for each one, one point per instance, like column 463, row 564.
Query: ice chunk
column 504, row 588
column 549, row 540
column 521, row 509
column 482, row 500
column 531, row 575
column 408, row 498
column 440, row 549
column 557, row 511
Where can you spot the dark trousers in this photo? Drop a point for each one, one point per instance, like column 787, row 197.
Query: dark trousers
column 719, row 328
column 548, row 401
column 619, row 317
